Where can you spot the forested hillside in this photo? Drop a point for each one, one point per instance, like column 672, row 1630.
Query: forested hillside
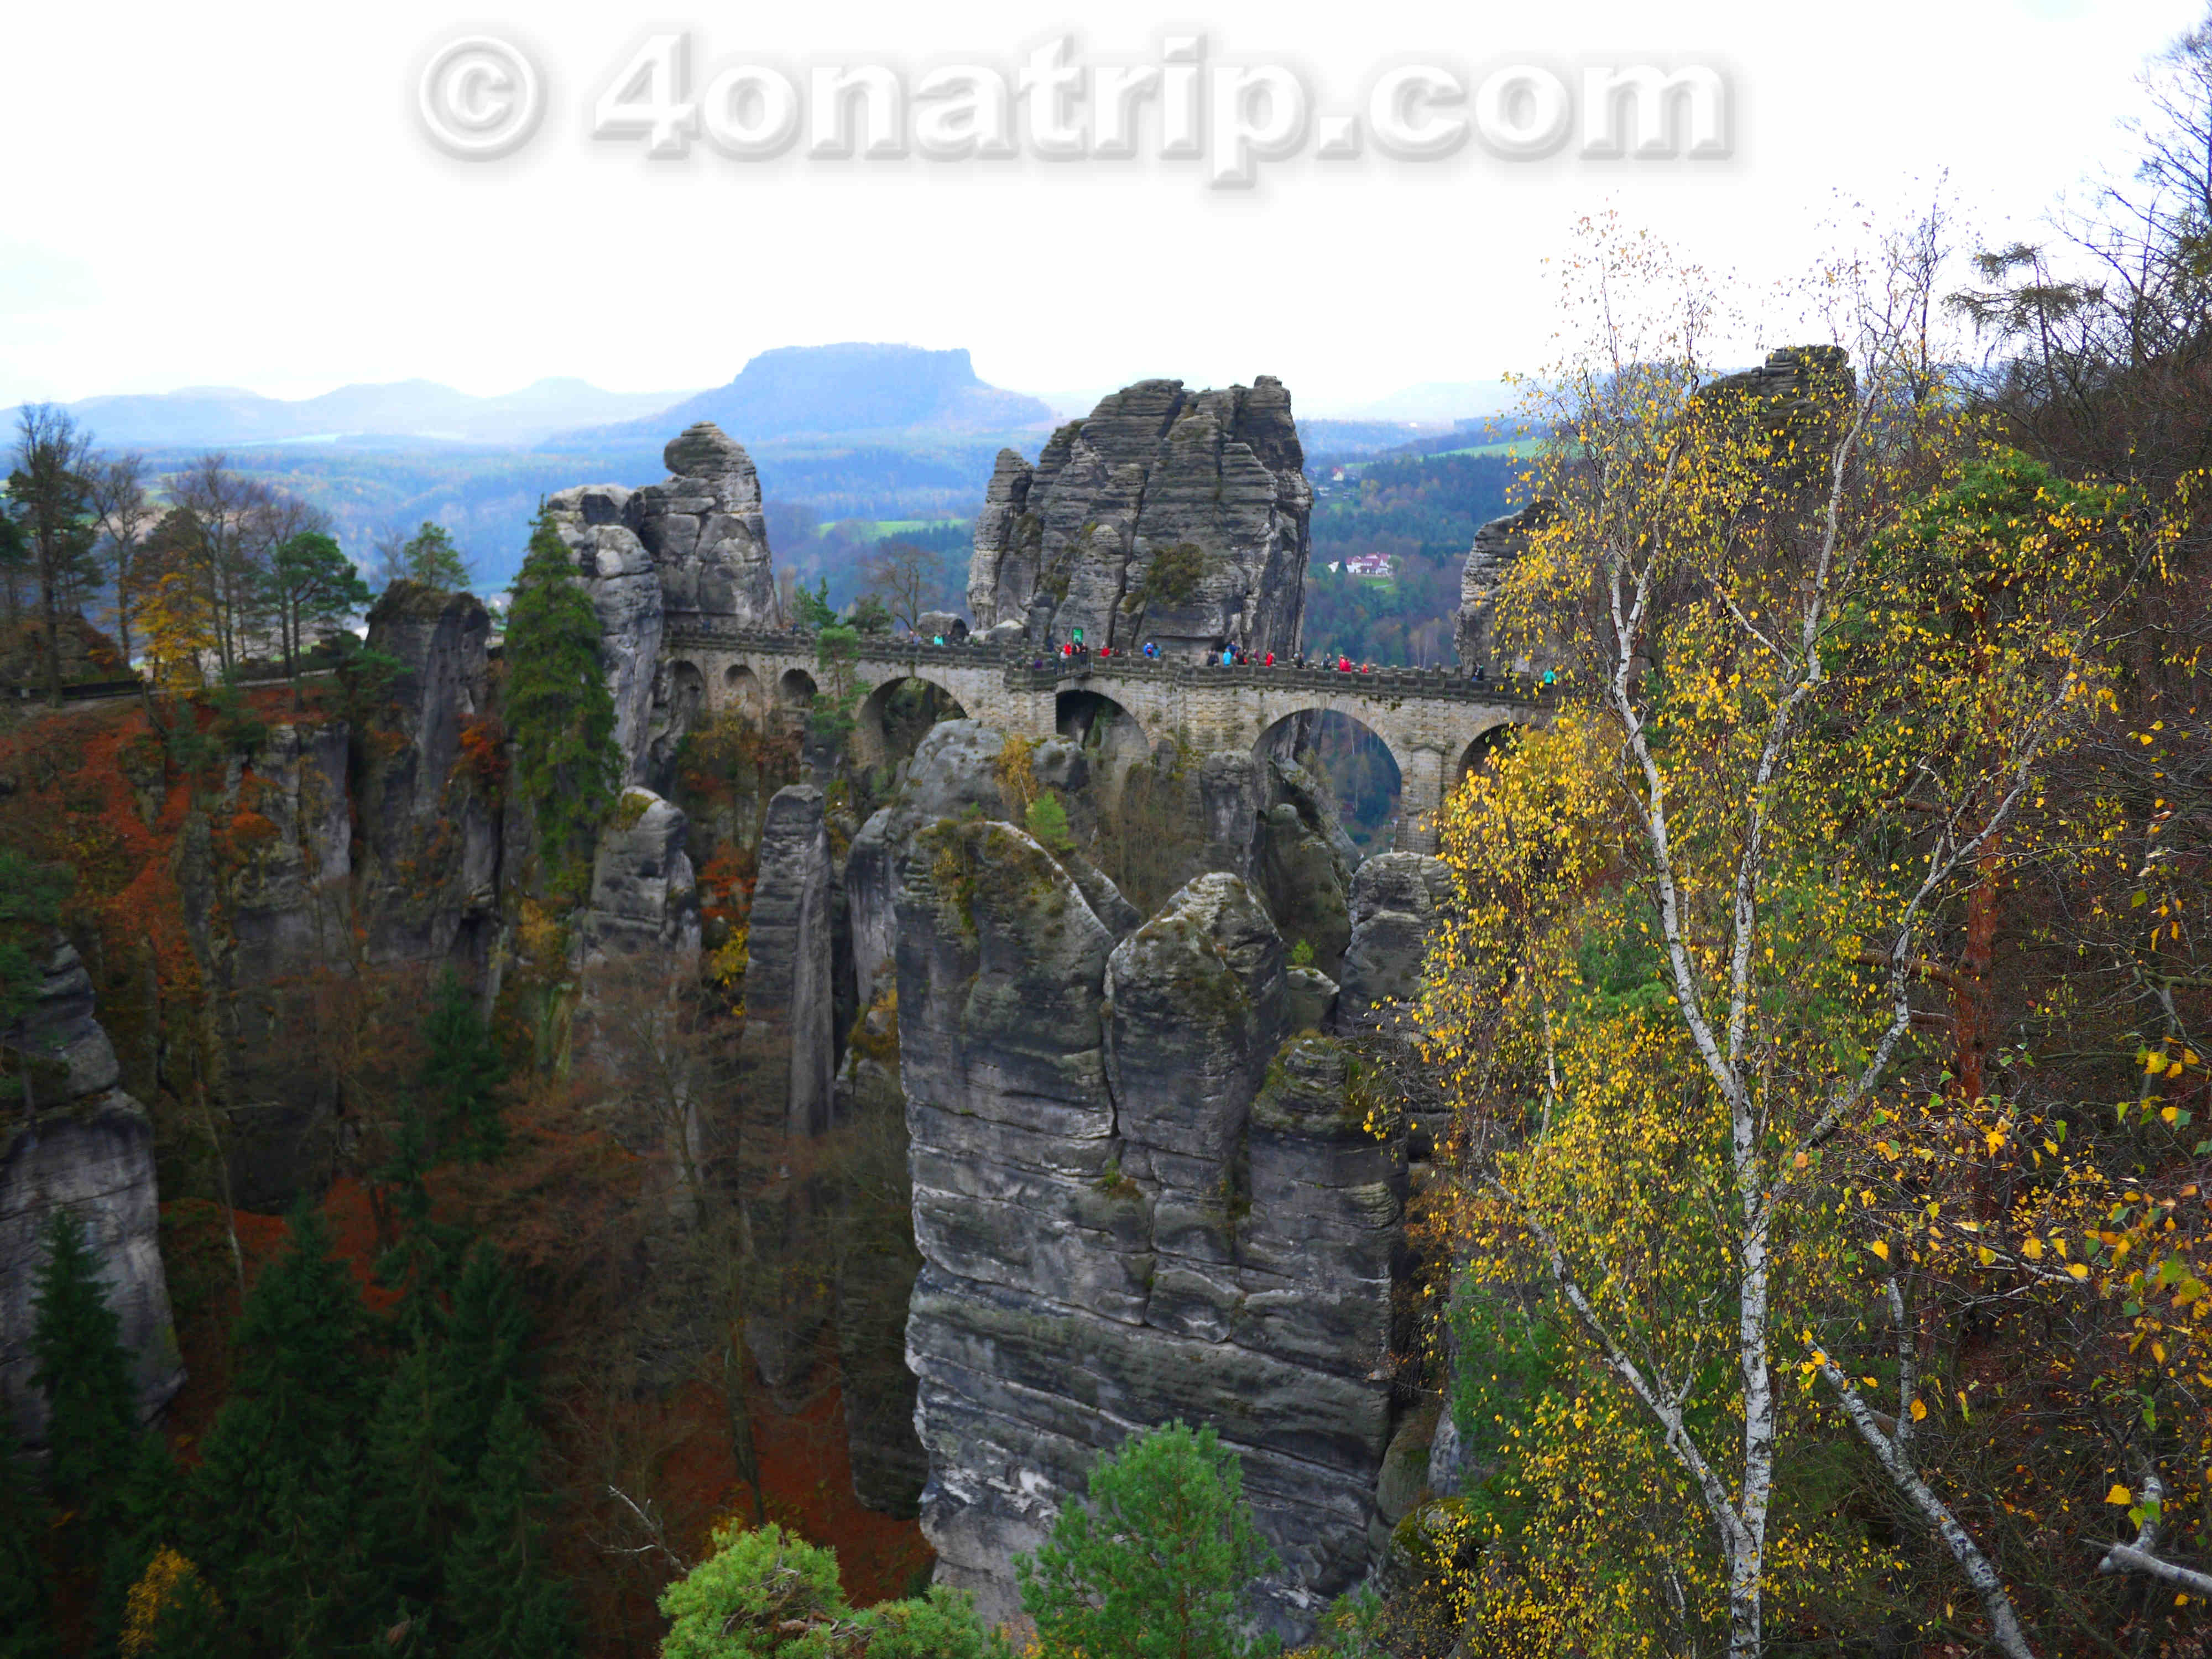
column 1421, row 512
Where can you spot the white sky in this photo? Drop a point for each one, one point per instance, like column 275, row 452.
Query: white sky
column 234, row 194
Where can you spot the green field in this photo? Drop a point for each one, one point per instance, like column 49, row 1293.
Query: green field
column 875, row 530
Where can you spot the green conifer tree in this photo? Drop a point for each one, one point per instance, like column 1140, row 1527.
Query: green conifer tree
column 462, row 1074
column 482, row 1357
column 92, row 1423
column 25, row 1591
column 558, row 709
column 410, row 1481
column 501, row 1593
column 277, row 1498
column 189, row 1624
column 1157, row 1563
column 431, row 557
column 422, row 1261
column 141, row 1523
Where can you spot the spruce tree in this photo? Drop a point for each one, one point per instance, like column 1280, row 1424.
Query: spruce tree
column 92, row 1423
column 462, row 1074
column 419, row 1264
column 482, row 1357
column 25, row 1591
column 558, row 708
column 501, row 1595
column 276, row 1498
column 410, row 1481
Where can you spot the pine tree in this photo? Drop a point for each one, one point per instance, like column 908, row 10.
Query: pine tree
column 431, row 557
column 92, row 1424
column 25, row 1591
column 462, row 1074
column 277, row 1497
column 1158, row 1562
column 500, row 1592
column 558, row 708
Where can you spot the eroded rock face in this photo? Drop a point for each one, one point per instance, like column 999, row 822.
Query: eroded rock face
column 644, row 905
column 430, row 845
column 1396, row 900
column 90, row 1149
column 1497, row 546
column 267, row 881
column 1125, row 1215
column 953, row 773
column 1198, row 1007
column 704, row 529
column 1175, row 516
column 1306, row 863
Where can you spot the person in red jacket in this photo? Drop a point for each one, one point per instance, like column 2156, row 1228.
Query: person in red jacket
column 1271, row 659
column 1343, row 663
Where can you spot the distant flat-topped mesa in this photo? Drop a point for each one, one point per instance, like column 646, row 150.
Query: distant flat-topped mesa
column 1168, row 515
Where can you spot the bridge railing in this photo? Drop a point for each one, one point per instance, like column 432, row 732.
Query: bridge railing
column 1022, row 672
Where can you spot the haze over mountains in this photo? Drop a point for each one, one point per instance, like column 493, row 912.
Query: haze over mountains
column 793, row 392
column 840, row 432
column 410, row 411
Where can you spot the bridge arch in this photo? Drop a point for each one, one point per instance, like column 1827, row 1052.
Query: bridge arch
column 794, row 688
column 741, row 689
column 896, row 713
column 1479, row 750
column 1355, row 756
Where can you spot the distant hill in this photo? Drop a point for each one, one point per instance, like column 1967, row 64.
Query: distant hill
column 1326, row 436
column 809, row 391
column 1438, row 400
column 416, row 411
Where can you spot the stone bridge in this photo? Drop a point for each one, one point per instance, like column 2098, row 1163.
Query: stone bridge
column 1435, row 724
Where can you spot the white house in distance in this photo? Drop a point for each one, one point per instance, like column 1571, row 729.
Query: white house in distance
column 1368, row 564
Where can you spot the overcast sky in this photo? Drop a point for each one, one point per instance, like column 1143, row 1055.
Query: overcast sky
column 239, row 195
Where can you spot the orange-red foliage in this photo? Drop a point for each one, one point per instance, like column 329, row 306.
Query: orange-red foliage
column 482, row 755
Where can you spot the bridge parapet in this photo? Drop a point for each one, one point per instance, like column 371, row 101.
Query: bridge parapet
column 1018, row 664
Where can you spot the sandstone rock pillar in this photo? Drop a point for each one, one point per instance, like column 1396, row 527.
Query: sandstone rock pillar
column 788, row 1052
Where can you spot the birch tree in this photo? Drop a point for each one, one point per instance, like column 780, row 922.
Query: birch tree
column 1698, row 908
